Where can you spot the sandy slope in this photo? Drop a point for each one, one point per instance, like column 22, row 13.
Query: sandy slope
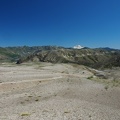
column 55, row 92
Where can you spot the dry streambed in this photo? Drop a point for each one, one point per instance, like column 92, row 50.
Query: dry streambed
column 55, row 92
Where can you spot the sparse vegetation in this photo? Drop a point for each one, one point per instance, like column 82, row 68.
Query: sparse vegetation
column 27, row 100
column 55, row 94
column 45, row 111
column 66, row 111
column 90, row 116
column 106, row 87
column 90, row 77
column 36, row 100
column 115, row 83
column 107, row 82
column 30, row 96
column 68, row 80
column 25, row 114
column 22, row 102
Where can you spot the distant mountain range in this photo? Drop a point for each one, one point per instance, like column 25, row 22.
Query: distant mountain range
column 97, row 58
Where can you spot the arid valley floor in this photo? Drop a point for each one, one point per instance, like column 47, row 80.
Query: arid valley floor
column 46, row 91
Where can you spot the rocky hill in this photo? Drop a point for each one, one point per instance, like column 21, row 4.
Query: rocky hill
column 97, row 58
column 14, row 53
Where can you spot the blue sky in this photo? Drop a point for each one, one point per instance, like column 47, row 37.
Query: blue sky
column 91, row 23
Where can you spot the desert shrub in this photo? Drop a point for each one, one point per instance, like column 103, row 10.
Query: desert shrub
column 90, row 77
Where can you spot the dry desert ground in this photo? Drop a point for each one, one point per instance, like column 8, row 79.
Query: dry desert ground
column 46, row 91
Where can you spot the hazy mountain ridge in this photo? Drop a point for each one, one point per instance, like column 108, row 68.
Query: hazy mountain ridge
column 98, row 57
